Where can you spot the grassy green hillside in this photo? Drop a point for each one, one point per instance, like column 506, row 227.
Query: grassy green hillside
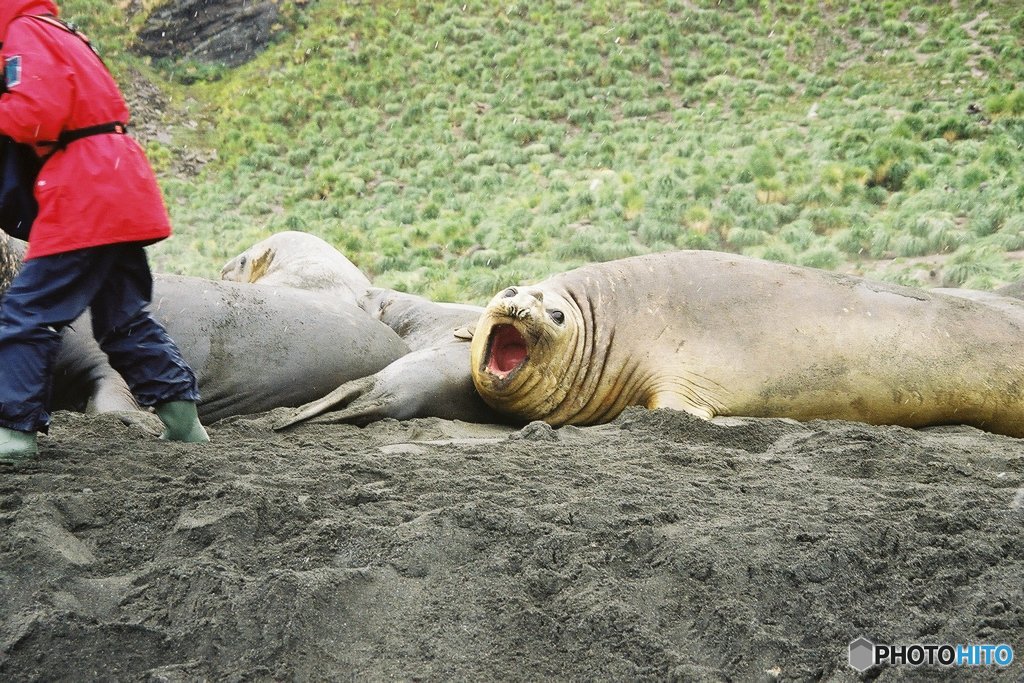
column 452, row 148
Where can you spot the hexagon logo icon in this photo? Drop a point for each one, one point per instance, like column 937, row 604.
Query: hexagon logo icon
column 862, row 654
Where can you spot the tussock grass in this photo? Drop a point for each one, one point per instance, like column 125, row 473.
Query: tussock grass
column 453, row 148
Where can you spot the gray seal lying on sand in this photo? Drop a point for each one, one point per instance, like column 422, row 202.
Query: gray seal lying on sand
column 434, row 380
column 257, row 348
column 252, row 348
column 719, row 334
column 431, row 381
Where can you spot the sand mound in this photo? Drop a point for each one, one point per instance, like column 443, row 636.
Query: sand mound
column 657, row 547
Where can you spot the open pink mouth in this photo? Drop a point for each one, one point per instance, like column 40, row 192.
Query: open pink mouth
column 507, row 351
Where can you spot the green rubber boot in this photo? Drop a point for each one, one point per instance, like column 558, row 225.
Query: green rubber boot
column 182, row 422
column 17, row 447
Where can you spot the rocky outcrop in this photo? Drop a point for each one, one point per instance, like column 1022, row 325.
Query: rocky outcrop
column 229, row 32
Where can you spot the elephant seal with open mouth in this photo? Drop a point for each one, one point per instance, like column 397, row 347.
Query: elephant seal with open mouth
column 718, row 334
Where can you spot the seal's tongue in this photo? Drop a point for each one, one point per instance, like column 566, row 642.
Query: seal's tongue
column 508, row 350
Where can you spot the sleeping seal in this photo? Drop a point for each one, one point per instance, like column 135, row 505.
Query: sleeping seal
column 432, row 381
column 299, row 260
column 257, row 348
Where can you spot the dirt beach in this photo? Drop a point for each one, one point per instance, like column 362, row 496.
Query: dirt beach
column 656, row 547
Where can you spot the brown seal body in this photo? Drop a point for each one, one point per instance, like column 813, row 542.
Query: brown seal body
column 719, row 334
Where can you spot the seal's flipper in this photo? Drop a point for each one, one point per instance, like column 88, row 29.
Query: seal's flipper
column 110, row 394
column 142, row 420
column 369, row 400
column 343, row 395
column 370, row 407
column 465, row 333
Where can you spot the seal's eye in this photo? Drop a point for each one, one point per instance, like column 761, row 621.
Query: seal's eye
column 509, row 293
column 557, row 316
column 241, row 262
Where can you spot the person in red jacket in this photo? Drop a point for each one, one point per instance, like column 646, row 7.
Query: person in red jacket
column 99, row 205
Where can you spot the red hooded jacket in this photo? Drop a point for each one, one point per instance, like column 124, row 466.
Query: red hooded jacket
column 99, row 189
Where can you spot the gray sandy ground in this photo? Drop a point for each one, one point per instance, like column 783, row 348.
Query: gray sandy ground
column 658, row 547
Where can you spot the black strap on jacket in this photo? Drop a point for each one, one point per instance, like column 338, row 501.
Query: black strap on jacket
column 66, row 137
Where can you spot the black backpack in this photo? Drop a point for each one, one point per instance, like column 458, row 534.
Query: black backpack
column 19, row 167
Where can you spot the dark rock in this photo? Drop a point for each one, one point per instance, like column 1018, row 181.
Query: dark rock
column 229, row 32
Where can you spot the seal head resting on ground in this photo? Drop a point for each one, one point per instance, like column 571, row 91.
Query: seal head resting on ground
column 299, row 260
column 720, row 334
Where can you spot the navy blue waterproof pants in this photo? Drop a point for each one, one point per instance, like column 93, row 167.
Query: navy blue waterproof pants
column 115, row 283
